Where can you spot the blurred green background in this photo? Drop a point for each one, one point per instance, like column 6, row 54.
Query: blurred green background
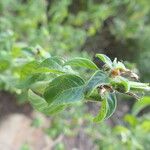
column 69, row 28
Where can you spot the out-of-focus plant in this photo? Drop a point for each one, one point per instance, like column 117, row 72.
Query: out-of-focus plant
column 135, row 133
column 141, row 104
column 131, row 133
column 131, row 18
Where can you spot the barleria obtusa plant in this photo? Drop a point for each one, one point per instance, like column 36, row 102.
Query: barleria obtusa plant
column 55, row 83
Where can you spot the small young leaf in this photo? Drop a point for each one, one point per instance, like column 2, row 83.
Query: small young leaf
column 139, row 105
column 105, row 59
column 82, row 62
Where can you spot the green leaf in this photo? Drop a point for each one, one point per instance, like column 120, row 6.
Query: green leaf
column 70, row 96
column 82, row 62
column 64, row 89
column 47, row 70
column 41, row 105
column 52, row 63
column 141, row 104
column 105, row 59
column 52, row 109
column 98, row 78
column 108, row 106
column 36, row 101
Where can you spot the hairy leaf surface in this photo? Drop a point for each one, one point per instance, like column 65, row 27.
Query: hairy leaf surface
column 64, row 89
